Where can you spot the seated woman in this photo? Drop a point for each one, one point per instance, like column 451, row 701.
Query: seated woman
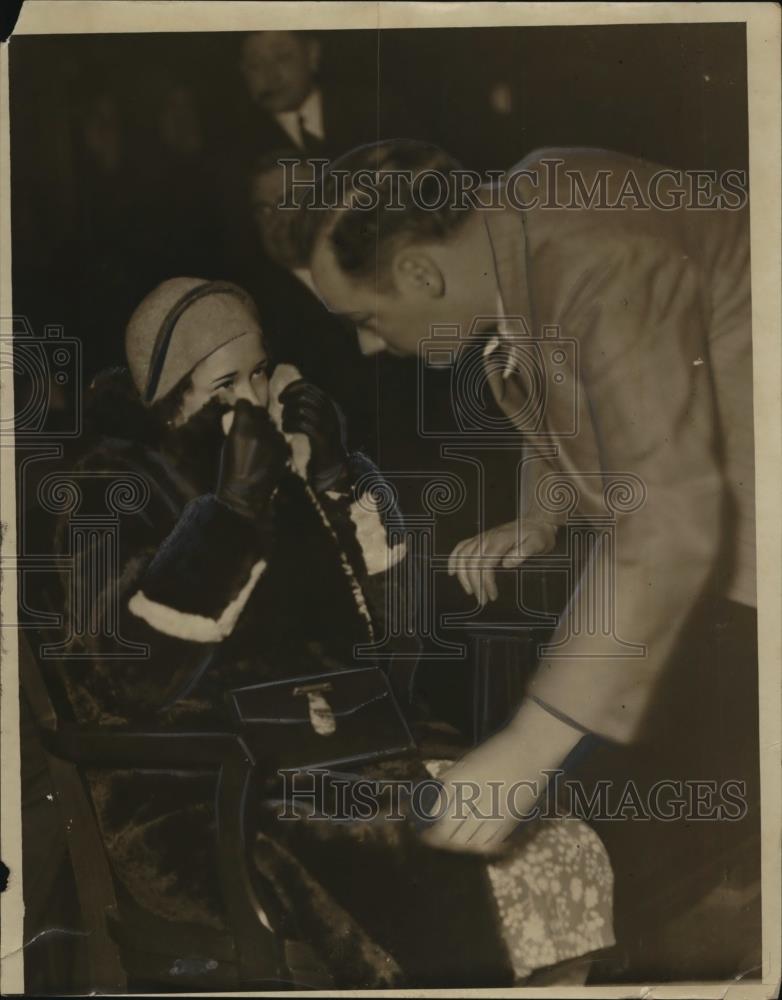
column 258, row 557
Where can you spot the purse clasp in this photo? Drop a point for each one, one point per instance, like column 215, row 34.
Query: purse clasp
column 321, row 715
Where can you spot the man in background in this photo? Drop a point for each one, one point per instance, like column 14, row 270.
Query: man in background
column 285, row 107
column 292, row 104
column 300, row 330
column 279, row 70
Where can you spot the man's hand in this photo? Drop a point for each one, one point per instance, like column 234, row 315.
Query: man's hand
column 308, row 410
column 490, row 791
column 478, row 795
column 475, row 560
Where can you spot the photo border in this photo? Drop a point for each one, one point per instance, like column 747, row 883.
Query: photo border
column 763, row 81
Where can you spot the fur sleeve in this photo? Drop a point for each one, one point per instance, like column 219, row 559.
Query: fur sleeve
column 368, row 527
column 202, row 575
column 148, row 603
column 366, row 513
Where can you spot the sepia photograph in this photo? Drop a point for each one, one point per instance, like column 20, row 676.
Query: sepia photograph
column 390, row 447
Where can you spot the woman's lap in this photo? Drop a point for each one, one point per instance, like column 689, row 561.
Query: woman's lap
column 452, row 918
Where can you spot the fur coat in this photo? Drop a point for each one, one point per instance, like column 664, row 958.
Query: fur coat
column 221, row 604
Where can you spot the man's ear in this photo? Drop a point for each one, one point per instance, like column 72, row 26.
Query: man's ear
column 417, row 273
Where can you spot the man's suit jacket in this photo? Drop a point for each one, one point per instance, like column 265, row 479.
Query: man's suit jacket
column 350, row 118
column 652, row 308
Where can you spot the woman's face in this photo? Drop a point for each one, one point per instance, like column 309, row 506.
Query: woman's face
column 237, row 370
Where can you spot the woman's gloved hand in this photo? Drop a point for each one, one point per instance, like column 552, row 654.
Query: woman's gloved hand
column 309, row 410
column 252, row 460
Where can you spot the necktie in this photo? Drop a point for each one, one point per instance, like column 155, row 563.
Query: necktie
column 309, row 141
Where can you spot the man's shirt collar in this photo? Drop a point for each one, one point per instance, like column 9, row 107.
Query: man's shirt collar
column 309, row 116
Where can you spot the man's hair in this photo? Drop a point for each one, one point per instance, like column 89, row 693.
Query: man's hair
column 365, row 239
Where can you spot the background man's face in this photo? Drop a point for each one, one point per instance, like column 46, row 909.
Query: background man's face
column 266, row 192
column 279, row 69
column 274, row 225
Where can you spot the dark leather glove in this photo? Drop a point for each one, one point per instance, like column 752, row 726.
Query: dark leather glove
column 252, row 460
column 308, row 410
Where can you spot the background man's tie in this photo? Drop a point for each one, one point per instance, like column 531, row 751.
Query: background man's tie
column 310, row 143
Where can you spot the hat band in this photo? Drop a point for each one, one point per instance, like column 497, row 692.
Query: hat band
column 163, row 339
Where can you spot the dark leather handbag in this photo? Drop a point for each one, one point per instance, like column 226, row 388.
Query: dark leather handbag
column 346, row 717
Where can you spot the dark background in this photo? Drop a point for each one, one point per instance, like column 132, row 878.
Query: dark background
column 113, row 136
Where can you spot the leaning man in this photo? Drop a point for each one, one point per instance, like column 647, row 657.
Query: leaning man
column 649, row 422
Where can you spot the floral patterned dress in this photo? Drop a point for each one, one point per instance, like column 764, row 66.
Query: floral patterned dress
column 554, row 893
